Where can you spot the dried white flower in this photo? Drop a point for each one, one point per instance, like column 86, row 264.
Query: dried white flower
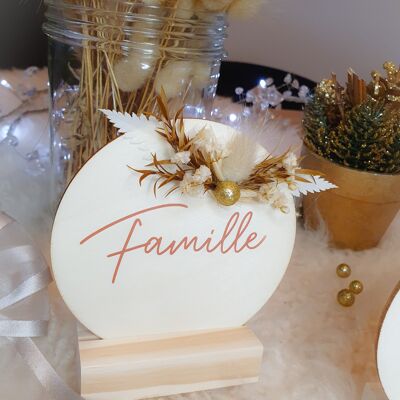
column 271, row 194
column 280, row 201
column 192, row 183
column 202, row 174
column 182, row 157
column 207, row 142
column 290, row 162
column 267, row 192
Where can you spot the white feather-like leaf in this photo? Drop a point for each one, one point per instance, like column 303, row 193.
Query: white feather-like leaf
column 316, row 184
column 139, row 132
column 128, row 123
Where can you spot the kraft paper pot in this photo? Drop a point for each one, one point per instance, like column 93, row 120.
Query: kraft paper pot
column 356, row 214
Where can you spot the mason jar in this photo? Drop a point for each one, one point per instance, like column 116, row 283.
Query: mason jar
column 120, row 55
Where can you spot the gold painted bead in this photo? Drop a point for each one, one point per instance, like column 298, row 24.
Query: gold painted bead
column 356, row 287
column 346, row 298
column 343, row 270
column 227, row 193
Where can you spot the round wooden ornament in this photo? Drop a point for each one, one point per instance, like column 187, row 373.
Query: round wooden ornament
column 132, row 264
column 388, row 349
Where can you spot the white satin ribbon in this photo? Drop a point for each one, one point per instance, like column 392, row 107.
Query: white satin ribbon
column 20, row 285
column 4, row 220
column 29, row 328
column 44, row 372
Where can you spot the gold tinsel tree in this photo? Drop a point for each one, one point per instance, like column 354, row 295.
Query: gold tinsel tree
column 357, row 126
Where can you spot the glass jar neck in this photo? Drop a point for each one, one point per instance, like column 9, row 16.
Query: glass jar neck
column 132, row 26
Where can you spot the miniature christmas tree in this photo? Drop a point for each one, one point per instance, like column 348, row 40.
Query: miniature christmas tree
column 358, row 127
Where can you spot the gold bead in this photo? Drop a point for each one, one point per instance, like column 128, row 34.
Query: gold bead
column 227, row 193
column 356, row 287
column 343, row 270
column 346, row 298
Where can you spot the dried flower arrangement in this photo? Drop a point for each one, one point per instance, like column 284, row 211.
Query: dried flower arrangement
column 357, row 126
column 126, row 59
column 202, row 163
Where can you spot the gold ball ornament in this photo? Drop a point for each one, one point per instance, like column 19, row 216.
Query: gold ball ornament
column 227, row 193
column 343, row 270
column 356, row 287
column 346, row 298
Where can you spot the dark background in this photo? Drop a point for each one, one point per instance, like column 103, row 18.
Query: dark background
column 22, row 42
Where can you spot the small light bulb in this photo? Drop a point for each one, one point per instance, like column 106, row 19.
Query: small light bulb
column 263, row 83
column 232, row 117
column 4, row 83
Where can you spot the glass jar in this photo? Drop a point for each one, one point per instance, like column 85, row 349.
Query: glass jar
column 119, row 55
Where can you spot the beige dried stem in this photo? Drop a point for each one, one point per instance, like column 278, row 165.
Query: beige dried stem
column 98, row 85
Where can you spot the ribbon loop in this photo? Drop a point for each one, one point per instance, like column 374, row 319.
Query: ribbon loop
column 44, row 372
column 30, row 276
column 27, row 288
column 4, row 220
column 14, row 328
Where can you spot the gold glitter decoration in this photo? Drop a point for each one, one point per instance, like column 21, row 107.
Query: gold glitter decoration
column 356, row 287
column 227, row 193
column 343, row 270
column 358, row 127
column 346, row 298
column 326, row 91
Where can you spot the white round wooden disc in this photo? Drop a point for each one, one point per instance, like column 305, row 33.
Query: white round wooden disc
column 156, row 294
column 388, row 349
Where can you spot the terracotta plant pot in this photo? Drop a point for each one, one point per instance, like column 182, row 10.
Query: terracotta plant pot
column 356, row 214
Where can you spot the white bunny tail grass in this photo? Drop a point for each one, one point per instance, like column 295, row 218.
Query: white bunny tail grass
column 245, row 8
column 185, row 9
column 237, row 166
column 216, row 5
column 131, row 73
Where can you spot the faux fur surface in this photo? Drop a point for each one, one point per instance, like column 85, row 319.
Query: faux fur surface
column 314, row 348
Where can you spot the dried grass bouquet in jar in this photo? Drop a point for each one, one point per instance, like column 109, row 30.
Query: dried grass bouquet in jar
column 119, row 55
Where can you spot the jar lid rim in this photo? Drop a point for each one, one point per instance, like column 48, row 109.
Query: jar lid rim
column 73, row 4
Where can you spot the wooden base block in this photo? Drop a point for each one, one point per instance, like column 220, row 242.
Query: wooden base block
column 132, row 370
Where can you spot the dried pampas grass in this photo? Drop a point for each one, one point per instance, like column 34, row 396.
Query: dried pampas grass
column 240, row 162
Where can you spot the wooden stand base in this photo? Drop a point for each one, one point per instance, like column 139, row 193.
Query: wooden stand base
column 126, row 370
